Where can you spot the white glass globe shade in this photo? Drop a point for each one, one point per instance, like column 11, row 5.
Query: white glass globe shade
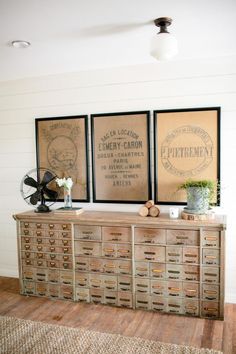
column 164, row 46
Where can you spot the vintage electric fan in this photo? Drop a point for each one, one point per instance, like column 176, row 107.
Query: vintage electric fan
column 38, row 187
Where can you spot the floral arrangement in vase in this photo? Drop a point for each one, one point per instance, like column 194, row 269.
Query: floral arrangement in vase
column 67, row 184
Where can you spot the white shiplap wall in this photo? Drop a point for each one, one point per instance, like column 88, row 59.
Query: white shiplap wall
column 203, row 83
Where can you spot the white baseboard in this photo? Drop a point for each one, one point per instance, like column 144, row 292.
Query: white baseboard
column 12, row 273
column 230, row 298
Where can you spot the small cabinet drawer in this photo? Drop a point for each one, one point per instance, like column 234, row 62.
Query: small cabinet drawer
column 210, row 292
column 146, row 235
column 210, row 309
column 210, row 256
column 142, row 301
column 82, row 294
column 158, row 303
column 28, row 273
column 191, row 307
column 40, row 263
column 53, row 275
column 110, row 266
column 27, row 255
column 97, row 296
column 191, row 290
column 124, row 267
column 66, row 277
column 53, row 290
column 183, row 237
column 124, row 251
column 82, row 279
column 141, row 269
column 84, row 232
column 28, row 287
column 41, row 274
column 88, row 248
column 142, row 285
column 125, row 299
column 159, row 287
column 41, row 289
column 157, row 270
column 28, row 262
column 150, row 253
column 66, row 292
column 211, row 239
column 191, row 273
column 124, row 283
column 82, row 264
column 174, row 289
column 53, row 264
column 210, row 275
column 191, row 255
column 110, row 298
column 109, row 250
column 174, row 254
column 39, row 233
column 116, row 234
column 174, row 271
column 96, row 265
column 109, row 282
column 95, row 281
column 174, row 306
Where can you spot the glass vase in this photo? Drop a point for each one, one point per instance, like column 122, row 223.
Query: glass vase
column 67, row 198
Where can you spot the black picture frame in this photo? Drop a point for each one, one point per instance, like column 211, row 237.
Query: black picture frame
column 206, row 114
column 122, row 188
column 62, row 146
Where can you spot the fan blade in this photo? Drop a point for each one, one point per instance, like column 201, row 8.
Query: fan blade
column 48, row 177
column 50, row 193
column 29, row 181
column 35, row 198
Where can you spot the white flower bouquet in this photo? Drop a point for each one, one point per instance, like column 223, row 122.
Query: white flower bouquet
column 66, row 183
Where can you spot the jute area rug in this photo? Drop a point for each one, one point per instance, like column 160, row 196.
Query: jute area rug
column 19, row 336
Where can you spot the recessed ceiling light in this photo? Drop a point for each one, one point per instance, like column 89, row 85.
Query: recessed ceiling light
column 20, row 44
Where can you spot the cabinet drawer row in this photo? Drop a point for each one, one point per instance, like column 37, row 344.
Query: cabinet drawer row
column 110, row 250
column 148, row 235
column 47, row 275
column 25, row 225
column 48, row 290
column 25, row 240
column 177, row 289
column 115, row 298
column 99, row 281
column 98, row 265
column 47, row 263
column 177, row 306
column 46, row 248
column 30, row 233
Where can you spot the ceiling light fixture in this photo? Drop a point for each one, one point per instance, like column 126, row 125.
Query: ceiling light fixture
column 20, row 44
column 164, row 45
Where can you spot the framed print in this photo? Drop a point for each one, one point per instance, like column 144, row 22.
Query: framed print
column 186, row 146
column 121, row 157
column 61, row 146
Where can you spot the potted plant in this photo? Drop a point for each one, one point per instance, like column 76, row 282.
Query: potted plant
column 200, row 195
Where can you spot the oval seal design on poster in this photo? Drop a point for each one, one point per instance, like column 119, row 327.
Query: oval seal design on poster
column 62, row 153
column 187, row 151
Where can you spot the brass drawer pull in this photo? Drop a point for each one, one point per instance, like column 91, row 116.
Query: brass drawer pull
column 39, row 240
column 65, row 249
column 116, row 233
column 149, row 252
column 26, row 232
column 210, row 274
column 188, row 307
column 39, row 263
column 40, row 255
column 126, row 300
column 211, row 292
column 51, row 233
column 142, row 302
column 110, row 297
column 124, row 283
column 211, row 238
column 66, row 258
column 141, row 269
column 65, row 242
column 52, row 242
column 157, row 271
column 64, row 234
column 27, row 254
column 27, row 240
column 39, row 248
column 191, row 290
column 173, row 254
column 52, row 256
column 157, row 287
column 38, row 233
column 158, row 303
column 51, row 226
column 28, row 261
column 109, row 266
column 174, row 271
column 26, row 224
column 52, row 249
column 210, row 257
column 64, row 226
column 124, row 251
column 53, row 264
column 38, row 226
column 65, row 265
column 174, row 289
column 107, row 249
column 182, row 237
column 87, row 248
column 124, row 267
column 174, row 305
column 190, row 255
column 27, row 247
column 210, row 309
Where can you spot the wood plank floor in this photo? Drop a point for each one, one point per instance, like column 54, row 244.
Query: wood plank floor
column 220, row 335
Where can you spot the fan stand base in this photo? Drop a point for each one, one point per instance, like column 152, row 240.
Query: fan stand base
column 42, row 208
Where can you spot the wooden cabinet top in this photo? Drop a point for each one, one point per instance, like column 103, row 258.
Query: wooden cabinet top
column 120, row 218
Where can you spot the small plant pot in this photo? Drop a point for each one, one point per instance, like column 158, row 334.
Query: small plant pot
column 198, row 200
